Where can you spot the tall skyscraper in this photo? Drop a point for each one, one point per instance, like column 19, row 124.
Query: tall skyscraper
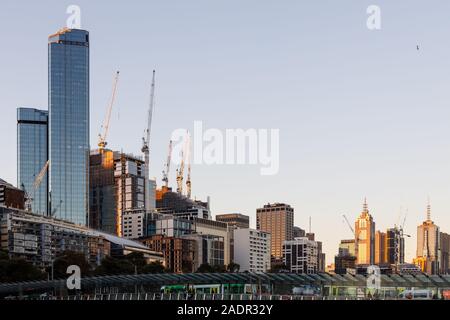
column 380, row 247
column 365, row 237
column 68, row 81
column 32, row 154
column 428, row 243
column 278, row 220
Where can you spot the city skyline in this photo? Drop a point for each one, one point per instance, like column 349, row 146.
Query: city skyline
column 398, row 167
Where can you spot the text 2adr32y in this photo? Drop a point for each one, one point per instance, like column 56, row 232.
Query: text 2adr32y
column 227, row 310
column 250, row 309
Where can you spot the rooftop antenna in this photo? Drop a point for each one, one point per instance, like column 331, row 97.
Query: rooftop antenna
column 309, row 224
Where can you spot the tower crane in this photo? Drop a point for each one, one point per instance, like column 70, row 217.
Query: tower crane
column 350, row 226
column 188, row 157
column 165, row 172
column 105, row 126
column 37, row 182
column 180, row 170
column 399, row 240
column 146, row 143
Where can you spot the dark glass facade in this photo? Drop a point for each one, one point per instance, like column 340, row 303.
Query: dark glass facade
column 32, row 154
column 68, row 54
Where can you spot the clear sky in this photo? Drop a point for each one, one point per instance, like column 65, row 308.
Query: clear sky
column 361, row 113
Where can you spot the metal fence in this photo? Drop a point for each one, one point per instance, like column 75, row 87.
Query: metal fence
column 185, row 297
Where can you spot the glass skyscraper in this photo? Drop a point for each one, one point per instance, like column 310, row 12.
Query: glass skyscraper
column 68, row 76
column 32, row 154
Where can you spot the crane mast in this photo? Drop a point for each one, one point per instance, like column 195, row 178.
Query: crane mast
column 188, row 157
column 180, row 174
column 146, row 144
column 105, row 126
column 180, row 170
column 37, row 182
column 165, row 178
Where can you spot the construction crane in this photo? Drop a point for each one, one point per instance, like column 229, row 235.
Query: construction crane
column 37, row 182
column 399, row 242
column 105, row 126
column 180, row 170
column 188, row 157
column 165, row 172
column 146, row 143
column 350, row 226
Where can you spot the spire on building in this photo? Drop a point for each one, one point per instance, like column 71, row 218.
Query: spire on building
column 428, row 210
column 365, row 206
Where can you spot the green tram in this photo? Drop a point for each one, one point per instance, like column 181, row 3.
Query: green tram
column 229, row 288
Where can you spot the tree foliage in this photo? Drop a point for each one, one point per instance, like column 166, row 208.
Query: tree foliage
column 17, row 270
column 68, row 258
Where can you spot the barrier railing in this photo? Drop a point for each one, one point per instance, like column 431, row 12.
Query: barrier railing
column 186, row 297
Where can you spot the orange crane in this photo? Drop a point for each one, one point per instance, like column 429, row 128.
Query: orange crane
column 105, row 126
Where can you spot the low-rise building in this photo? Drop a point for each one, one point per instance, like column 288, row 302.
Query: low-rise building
column 344, row 263
column 209, row 248
column 179, row 253
column 236, row 220
column 215, row 228
column 40, row 239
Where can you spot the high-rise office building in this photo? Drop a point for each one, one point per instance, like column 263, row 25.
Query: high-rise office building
column 278, row 220
column 253, row 252
column 32, row 155
column 301, row 255
column 68, row 97
column 380, row 247
column 445, row 253
column 428, row 245
column 365, row 237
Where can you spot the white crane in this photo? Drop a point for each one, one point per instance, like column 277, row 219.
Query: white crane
column 37, row 182
column 165, row 178
column 105, row 126
column 146, row 144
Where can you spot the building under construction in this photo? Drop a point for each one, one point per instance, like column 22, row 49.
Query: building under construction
column 177, row 204
column 117, row 185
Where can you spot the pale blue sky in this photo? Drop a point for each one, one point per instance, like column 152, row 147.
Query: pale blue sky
column 360, row 113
